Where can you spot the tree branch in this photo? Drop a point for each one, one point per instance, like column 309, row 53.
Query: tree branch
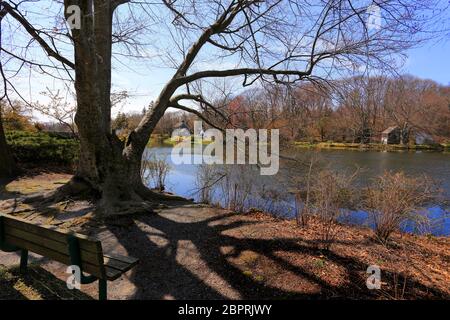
column 199, row 98
column 35, row 35
column 176, row 105
column 243, row 71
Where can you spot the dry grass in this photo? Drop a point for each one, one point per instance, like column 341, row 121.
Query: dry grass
column 412, row 267
column 37, row 284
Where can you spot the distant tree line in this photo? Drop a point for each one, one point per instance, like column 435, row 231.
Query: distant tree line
column 356, row 109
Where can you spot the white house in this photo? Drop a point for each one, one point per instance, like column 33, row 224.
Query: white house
column 391, row 135
column 181, row 131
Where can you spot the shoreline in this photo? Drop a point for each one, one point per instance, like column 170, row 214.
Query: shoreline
column 162, row 140
column 444, row 148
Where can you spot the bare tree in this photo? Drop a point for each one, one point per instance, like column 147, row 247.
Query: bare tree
column 271, row 41
column 7, row 165
column 58, row 108
column 362, row 98
column 412, row 104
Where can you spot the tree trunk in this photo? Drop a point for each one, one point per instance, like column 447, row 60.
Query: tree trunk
column 108, row 168
column 8, row 168
column 102, row 167
column 404, row 134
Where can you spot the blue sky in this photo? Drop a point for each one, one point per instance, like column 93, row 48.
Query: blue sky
column 144, row 78
column 431, row 61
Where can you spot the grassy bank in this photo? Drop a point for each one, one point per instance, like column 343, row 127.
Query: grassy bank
column 372, row 146
column 165, row 140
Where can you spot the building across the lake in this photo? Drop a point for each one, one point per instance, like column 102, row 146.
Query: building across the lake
column 181, row 131
column 391, row 135
column 423, row 138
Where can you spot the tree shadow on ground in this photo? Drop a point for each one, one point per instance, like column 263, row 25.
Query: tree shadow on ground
column 156, row 240
column 36, row 284
column 4, row 194
column 161, row 275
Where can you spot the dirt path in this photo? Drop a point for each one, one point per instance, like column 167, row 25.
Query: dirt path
column 197, row 252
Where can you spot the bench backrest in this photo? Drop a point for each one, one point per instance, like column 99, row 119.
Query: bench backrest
column 53, row 243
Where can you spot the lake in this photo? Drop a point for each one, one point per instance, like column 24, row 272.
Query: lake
column 272, row 193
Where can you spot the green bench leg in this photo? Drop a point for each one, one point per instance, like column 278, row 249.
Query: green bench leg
column 23, row 261
column 102, row 290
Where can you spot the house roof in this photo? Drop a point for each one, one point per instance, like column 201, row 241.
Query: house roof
column 182, row 125
column 390, row 129
column 423, row 134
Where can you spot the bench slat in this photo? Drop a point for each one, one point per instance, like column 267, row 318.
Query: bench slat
column 112, row 274
column 117, row 262
column 120, row 257
column 52, row 254
column 60, row 247
column 86, row 243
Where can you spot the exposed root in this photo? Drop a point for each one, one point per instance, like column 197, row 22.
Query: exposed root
column 140, row 201
column 153, row 196
column 123, row 208
column 111, row 202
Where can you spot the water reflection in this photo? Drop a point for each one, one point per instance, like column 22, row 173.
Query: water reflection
column 273, row 192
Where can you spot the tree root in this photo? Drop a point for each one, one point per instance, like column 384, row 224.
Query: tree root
column 111, row 202
column 150, row 195
column 105, row 209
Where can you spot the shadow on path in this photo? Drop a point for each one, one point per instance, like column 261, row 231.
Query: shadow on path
column 185, row 260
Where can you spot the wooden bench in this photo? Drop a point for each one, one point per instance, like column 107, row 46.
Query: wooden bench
column 69, row 248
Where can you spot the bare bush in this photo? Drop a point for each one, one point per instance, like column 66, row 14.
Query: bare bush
column 271, row 199
column 154, row 171
column 301, row 170
column 331, row 193
column 395, row 198
column 236, row 186
column 206, row 180
column 302, row 212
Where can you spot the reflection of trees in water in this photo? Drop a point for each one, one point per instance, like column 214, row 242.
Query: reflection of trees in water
column 242, row 187
column 239, row 188
column 154, row 170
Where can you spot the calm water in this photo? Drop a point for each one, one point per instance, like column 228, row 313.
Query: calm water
column 272, row 192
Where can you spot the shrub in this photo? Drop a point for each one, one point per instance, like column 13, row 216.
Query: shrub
column 331, row 192
column 307, row 167
column 395, row 198
column 42, row 148
column 236, row 186
column 154, row 171
column 206, row 178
